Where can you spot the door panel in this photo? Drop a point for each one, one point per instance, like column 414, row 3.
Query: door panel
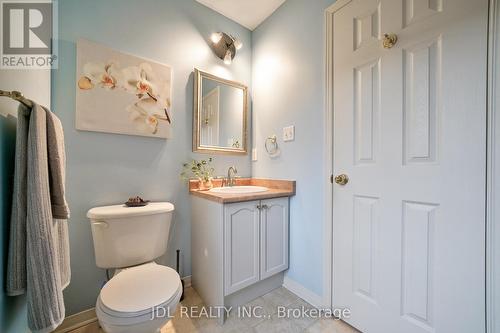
column 410, row 132
column 209, row 130
column 421, row 96
column 414, row 10
column 365, row 246
column 418, row 244
column 366, row 112
column 367, row 27
column 274, row 236
column 241, row 242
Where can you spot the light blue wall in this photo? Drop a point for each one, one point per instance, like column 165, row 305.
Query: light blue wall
column 12, row 309
column 288, row 89
column 106, row 169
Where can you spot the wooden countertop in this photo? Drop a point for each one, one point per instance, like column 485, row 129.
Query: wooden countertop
column 277, row 189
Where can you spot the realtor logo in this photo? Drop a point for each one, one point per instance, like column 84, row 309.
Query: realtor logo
column 28, row 34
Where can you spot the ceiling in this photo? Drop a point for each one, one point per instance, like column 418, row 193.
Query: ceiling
column 248, row 13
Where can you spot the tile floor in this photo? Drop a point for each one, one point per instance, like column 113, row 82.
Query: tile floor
column 270, row 324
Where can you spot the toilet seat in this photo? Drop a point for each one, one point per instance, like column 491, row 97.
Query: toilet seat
column 132, row 295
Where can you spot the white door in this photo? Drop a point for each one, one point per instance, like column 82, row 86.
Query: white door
column 409, row 132
column 273, row 237
column 209, row 131
column 241, row 245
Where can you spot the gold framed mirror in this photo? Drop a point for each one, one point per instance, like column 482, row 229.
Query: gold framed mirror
column 219, row 115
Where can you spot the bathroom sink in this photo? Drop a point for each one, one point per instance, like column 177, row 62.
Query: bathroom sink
column 239, row 189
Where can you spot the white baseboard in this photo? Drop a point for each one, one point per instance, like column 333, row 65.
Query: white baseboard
column 187, row 281
column 304, row 293
column 77, row 320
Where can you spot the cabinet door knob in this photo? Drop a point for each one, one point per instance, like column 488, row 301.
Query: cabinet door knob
column 259, row 207
column 265, row 206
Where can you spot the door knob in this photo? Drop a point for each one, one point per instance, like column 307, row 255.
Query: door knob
column 342, row 179
column 389, row 40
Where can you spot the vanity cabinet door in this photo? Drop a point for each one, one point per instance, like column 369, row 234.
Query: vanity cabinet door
column 241, row 245
column 273, row 237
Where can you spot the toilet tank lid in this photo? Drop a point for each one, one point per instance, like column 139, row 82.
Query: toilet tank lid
column 118, row 211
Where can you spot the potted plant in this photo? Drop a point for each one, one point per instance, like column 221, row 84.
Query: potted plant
column 202, row 170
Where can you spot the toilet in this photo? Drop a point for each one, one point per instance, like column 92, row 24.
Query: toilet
column 142, row 295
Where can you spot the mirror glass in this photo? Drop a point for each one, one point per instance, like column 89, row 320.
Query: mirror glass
column 220, row 115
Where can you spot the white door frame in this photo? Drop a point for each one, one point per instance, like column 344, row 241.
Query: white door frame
column 493, row 172
column 328, row 167
column 215, row 91
column 492, row 168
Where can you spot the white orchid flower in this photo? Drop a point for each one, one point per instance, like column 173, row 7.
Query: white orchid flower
column 153, row 93
column 163, row 95
column 103, row 75
column 140, row 80
column 146, row 114
column 163, row 99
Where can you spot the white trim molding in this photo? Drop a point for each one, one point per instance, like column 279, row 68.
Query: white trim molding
column 304, row 293
column 328, row 167
column 328, row 254
column 76, row 321
column 492, row 172
column 187, row 281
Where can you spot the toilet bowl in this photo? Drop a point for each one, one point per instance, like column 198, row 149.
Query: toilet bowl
column 139, row 299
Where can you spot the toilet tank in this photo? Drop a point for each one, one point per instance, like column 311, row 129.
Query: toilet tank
column 127, row 236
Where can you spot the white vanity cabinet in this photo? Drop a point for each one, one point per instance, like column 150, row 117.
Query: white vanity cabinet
column 255, row 242
column 239, row 250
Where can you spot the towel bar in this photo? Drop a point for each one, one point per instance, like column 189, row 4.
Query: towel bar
column 17, row 96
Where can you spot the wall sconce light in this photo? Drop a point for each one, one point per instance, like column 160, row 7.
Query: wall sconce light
column 225, row 46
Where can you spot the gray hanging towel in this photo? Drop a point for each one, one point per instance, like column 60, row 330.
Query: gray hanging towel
column 38, row 261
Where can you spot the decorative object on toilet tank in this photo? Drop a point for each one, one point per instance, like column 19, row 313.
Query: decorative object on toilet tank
column 120, row 93
column 201, row 170
column 136, row 201
column 225, row 46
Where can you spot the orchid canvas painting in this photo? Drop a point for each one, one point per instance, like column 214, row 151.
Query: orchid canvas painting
column 120, row 93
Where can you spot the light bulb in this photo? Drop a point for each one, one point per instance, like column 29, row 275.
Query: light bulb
column 228, row 58
column 238, row 44
column 216, row 37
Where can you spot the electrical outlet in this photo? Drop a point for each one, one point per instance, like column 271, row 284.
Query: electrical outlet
column 289, row 133
column 254, row 154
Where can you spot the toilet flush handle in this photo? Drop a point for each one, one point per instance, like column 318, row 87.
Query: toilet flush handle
column 100, row 224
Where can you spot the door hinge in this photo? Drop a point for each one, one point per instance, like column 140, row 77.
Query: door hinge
column 331, row 179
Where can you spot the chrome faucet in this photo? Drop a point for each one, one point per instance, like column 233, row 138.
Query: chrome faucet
column 231, row 172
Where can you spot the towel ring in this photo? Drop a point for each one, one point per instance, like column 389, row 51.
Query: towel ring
column 271, row 145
